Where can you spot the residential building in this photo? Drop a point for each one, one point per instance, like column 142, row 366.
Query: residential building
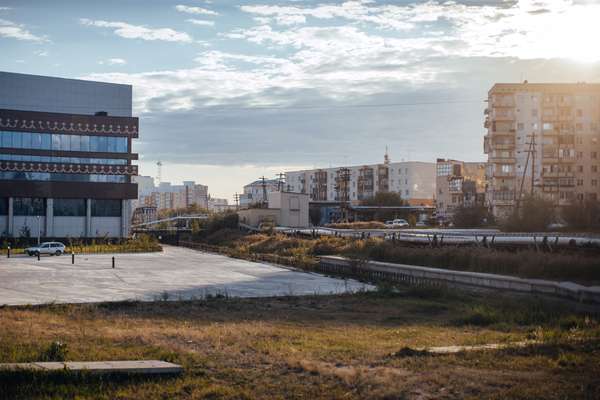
column 65, row 157
column 219, row 205
column 167, row 196
column 542, row 139
column 458, row 184
column 414, row 181
column 254, row 193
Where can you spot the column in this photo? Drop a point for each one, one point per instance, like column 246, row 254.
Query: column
column 125, row 218
column 88, row 218
column 49, row 218
column 11, row 224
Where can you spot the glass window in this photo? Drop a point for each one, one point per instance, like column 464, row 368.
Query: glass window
column 3, row 206
column 75, row 143
column 6, row 139
column 26, row 140
column 85, row 143
column 102, row 144
column 121, row 145
column 28, row 206
column 65, row 142
column 112, row 144
column 69, row 207
column 17, row 140
column 106, row 208
column 46, row 142
column 36, row 141
column 55, row 141
column 94, row 143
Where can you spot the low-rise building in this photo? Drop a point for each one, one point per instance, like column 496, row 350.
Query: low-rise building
column 283, row 209
column 167, row 196
column 458, row 184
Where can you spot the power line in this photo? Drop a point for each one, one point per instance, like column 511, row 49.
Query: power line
column 286, row 107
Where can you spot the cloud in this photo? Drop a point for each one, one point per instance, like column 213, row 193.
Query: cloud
column 195, row 10
column 201, row 22
column 113, row 61
column 41, row 53
column 9, row 29
column 129, row 31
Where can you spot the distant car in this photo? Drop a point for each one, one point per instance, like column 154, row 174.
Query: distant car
column 397, row 223
column 52, row 248
column 421, row 224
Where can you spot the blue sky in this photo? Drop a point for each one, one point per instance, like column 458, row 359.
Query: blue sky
column 227, row 91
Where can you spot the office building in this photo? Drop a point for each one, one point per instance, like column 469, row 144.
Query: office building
column 542, row 139
column 65, row 157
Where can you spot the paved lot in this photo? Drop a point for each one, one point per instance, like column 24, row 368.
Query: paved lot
column 179, row 272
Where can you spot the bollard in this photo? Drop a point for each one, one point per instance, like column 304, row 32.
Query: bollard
column 8, row 252
column 38, row 254
column 113, row 262
column 72, row 257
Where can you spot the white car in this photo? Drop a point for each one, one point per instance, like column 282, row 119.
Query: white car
column 397, row 223
column 52, row 248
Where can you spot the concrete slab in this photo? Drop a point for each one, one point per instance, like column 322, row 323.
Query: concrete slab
column 176, row 273
column 148, row 367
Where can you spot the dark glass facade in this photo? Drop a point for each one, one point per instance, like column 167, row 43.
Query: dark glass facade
column 62, row 142
column 106, row 208
column 29, row 206
column 69, row 207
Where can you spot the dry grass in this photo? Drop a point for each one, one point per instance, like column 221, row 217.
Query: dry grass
column 310, row 347
column 582, row 268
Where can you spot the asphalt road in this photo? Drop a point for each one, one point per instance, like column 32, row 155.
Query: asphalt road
column 175, row 273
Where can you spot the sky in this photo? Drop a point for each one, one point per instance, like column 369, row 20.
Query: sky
column 228, row 91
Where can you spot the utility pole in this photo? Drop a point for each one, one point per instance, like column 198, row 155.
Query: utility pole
column 342, row 188
column 236, row 197
column 530, row 153
column 158, row 172
column 280, row 181
column 264, row 191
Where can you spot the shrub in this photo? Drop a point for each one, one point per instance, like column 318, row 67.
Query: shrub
column 533, row 215
column 583, row 215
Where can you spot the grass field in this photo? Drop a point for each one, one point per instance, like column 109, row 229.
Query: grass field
column 319, row 347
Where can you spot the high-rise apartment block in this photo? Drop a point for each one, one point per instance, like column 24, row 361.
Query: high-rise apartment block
column 166, row 196
column 542, row 139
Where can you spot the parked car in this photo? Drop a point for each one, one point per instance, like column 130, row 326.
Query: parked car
column 52, row 248
column 397, row 223
column 421, row 224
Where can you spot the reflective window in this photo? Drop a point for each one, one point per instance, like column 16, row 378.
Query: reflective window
column 46, row 176
column 69, row 207
column 64, row 160
column 63, row 142
column 29, row 206
column 106, row 208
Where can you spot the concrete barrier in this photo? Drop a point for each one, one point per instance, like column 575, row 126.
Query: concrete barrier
column 375, row 270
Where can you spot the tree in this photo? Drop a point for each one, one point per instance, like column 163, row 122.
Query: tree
column 385, row 199
column 314, row 215
column 582, row 215
column 470, row 217
column 534, row 214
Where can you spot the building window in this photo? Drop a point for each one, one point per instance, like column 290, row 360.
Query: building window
column 63, row 142
column 29, row 206
column 520, row 126
column 594, row 168
column 579, row 182
column 444, row 169
column 69, row 207
column 580, row 113
column 594, row 182
column 47, row 176
column 594, row 154
column 534, row 112
column 579, row 127
column 106, row 208
column 3, row 206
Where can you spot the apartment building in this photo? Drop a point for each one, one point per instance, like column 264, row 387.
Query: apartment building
column 168, row 196
column 542, row 138
column 254, row 193
column 458, row 184
column 412, row 180
column 65, row 157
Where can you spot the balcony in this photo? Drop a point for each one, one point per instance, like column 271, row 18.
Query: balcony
column 503, row 145
column 503, row 175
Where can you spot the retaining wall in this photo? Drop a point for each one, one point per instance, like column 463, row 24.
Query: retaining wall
column 374, row 270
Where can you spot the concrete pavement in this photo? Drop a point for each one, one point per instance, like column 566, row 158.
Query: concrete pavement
column 175, row 273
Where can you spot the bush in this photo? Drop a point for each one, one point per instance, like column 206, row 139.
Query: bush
column 470, row 217
column 533, row 215
column 583, row 215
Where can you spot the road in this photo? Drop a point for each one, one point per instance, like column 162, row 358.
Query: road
column 175, row 273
